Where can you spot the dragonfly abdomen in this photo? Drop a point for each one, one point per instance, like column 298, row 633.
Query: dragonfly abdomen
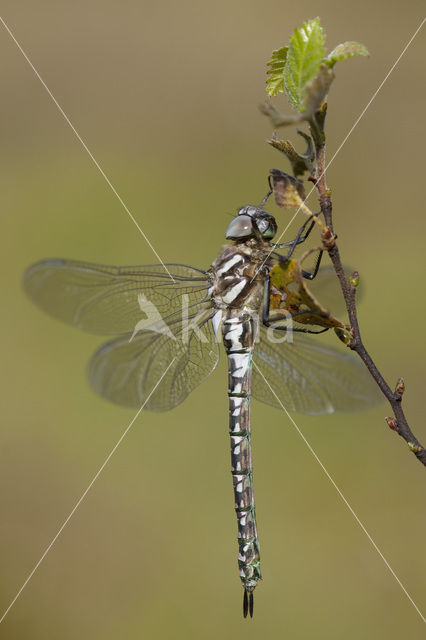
column 238, row 330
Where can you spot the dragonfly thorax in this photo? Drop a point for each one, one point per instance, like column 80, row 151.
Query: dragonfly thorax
column 251, row 222
column 238, row 276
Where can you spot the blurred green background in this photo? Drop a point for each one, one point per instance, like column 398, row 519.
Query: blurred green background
column 165, row 95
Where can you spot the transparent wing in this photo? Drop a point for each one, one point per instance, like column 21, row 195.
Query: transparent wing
column 126, row 372
column 310, row 376
column 112, row 300
column 326, row 289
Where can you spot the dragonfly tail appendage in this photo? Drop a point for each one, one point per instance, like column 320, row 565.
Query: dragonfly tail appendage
column 238, row 336
column 248, row 602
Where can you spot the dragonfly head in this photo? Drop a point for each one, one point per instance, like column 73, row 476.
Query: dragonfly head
column 251, row 222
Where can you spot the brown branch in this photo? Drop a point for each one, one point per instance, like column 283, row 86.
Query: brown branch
column 399, row 422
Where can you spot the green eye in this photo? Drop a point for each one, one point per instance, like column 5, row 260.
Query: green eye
column 268, row 233
column 267, row 227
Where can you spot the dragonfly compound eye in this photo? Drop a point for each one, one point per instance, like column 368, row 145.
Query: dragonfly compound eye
column 266, row 226
column 248, row 211
column 240, row 227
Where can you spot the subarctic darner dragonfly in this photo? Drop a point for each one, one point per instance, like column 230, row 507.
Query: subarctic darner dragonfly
column 170, row 320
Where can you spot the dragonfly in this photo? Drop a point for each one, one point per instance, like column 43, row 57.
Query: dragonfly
column 167, row 324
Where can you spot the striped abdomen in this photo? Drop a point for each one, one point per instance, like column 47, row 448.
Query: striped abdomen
column 238, row 330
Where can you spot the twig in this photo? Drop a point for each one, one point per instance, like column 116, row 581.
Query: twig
column 399, row 422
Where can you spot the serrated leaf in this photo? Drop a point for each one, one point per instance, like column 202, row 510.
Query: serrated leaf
column 344, row 51
column 275, row 73
column 304, row 56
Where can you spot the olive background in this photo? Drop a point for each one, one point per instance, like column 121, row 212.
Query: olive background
column 166, row 97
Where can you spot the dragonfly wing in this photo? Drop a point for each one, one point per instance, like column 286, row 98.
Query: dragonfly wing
column 326, row 289
column 310, row 376
column 125, row 370
column 112, row 300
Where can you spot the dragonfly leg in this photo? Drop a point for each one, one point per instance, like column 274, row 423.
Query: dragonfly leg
column 267, row 196
column 311, row 276
column 302, row 235
column 269, row 321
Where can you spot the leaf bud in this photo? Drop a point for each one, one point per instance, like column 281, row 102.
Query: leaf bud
column 400, row 386
column 343, row 335
column 354, row 279
column 392, row 423
column 414, row 447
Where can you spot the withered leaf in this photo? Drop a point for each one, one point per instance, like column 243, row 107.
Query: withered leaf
column 300, row 162
column 291, row 297
column 288, row 191
column 317, row 88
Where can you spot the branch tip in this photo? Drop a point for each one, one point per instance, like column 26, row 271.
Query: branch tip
column 349, row 335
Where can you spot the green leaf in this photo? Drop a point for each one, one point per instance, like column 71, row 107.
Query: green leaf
column 304, row 56
column 344, row 51
column 275, row 73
